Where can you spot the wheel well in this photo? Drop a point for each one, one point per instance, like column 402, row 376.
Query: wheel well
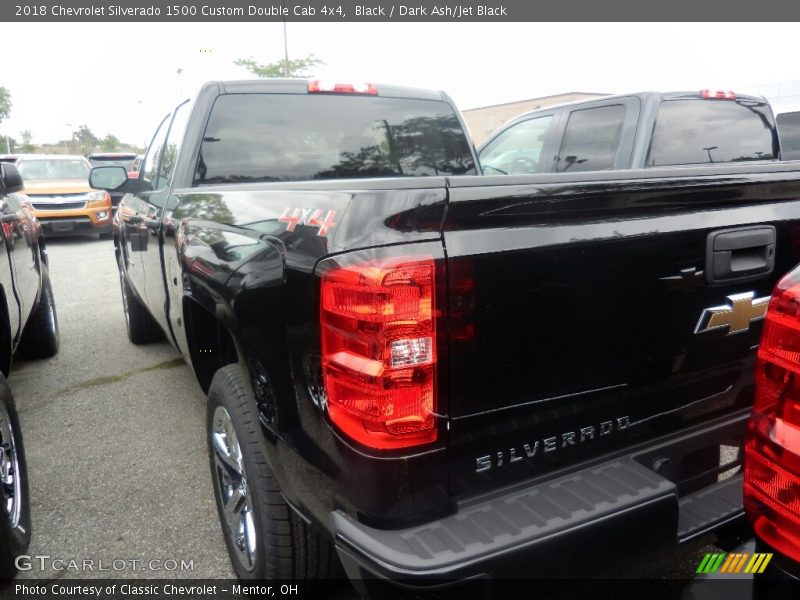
column 210, row 344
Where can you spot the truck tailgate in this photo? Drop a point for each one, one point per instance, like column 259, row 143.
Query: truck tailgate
column 593, row 312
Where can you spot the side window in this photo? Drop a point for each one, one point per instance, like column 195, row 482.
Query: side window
column 152, row 160
column 518, row 149
column 591, row 139
column 789, row 134
column 169, row 154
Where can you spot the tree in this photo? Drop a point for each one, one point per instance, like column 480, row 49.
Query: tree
column 8, row 144
column 86, row 139
column 298, row 67
column 5, row 110
column 5, row 104
column 110, row 143
column 27, row 142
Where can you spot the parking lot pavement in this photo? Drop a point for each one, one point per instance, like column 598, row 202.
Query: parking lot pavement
column 115, row 442
column 114, row 435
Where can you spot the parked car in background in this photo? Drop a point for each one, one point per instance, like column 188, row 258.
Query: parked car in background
column 28, row 327
column 57, row 187
column 772, row 446
column 122, row 159
column 633, row 131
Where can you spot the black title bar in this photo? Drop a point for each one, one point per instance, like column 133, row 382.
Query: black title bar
column 400, row 11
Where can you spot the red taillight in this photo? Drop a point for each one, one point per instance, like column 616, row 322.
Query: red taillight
column 718, row 95
column 772, row 447
column 332, row 87
column 378, row 328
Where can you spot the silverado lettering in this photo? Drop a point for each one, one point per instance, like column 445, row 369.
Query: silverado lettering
column 549, row 444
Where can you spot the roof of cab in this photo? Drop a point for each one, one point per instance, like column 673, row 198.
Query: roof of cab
column 112, row 155
column 42, row 157
column 300, row 86
column 688, row 95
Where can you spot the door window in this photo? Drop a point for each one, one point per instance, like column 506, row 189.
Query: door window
column 150, row 166
column 591, row 139
column 518, row 149
column 169, row 154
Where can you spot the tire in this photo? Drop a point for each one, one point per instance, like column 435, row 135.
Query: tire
column 40, row 338
column 280, row 545
column 15, row 512
column 108, row 235
column 141, row 327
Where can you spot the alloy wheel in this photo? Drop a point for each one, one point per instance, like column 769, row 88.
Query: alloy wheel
column 233, row 491
column 10, row 488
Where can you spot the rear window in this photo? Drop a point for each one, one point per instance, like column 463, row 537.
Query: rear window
column 712, row 131
column 789, row 134
column 288, row 137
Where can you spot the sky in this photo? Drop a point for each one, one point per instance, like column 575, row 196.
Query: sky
column 121, row 78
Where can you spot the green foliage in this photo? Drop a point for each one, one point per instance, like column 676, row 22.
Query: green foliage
column 8, row 144
column 298, row 67
column 5, row 103
column 85, row 139
column 27, row 145
column 110, row 143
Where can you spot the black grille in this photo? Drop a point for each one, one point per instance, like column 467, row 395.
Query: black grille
column 58, row 205
column 45, row 197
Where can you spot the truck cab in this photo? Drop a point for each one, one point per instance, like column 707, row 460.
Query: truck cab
column 634, row 131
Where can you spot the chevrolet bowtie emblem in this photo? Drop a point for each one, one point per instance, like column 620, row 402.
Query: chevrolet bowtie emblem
column 736, row 316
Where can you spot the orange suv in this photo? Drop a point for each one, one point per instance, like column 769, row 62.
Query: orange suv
column 57, row 186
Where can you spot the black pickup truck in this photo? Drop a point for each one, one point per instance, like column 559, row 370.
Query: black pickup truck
column 438, row 375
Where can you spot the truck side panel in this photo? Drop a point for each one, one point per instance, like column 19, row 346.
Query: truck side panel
column 248, row 258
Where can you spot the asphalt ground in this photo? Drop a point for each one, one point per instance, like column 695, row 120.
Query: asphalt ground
column 114, row 436
column 115, row 442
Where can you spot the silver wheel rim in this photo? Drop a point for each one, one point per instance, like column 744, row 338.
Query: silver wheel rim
column 232, row 488
column 10, row 491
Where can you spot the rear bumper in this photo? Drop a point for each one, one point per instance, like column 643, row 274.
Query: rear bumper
column 582, row 524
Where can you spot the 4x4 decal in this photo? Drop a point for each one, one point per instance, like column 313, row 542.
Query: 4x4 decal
column 309, row 216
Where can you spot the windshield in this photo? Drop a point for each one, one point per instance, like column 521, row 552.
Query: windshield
column 283, row 137
column 55, row 168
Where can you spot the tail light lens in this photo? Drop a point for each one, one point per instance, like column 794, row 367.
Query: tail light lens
column 772, row 448
column 378, row 331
